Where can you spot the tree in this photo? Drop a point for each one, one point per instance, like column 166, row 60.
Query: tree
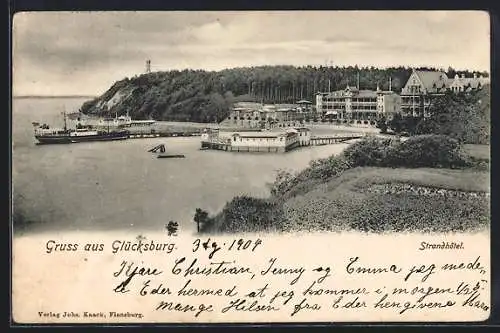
column 465, row 117
column 200, row 217
column 282, row 183
column 382, row 124
column 410, row 124
column 195, row 95
column 451, row 72
column 396, row 123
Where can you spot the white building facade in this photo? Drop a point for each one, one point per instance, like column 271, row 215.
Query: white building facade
column 352, row 105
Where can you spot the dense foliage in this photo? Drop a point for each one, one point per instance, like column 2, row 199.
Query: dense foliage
column 463, row 116
column 175, row 95
column 434, row 151
column 202, row 96
column 318, row 171
column 247, row 214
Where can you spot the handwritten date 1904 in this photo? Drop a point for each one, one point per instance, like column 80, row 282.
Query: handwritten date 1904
column 242, row 244
column 236, row 245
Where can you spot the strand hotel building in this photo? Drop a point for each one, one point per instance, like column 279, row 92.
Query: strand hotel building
column 364, row 107
column 423, row 86
column 355, row 106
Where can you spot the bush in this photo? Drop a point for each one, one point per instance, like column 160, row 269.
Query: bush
column 247, row 214
column 282, row 183
column 288, row 185
column 480, row 164
column 325, row 168
column 431, row 150
column 435, row 151
column 370, row 152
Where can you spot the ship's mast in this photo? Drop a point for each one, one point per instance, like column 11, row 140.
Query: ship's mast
column 64, row 117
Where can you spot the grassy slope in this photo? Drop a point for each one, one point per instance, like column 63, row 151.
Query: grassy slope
column 342, row 203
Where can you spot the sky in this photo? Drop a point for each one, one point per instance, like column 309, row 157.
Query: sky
column 84, row 53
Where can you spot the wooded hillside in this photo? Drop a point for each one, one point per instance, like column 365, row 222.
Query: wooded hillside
column 202, row 96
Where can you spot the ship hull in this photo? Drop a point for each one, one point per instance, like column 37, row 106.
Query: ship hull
column 64, row 139
column 45, row 140
column 104, row 137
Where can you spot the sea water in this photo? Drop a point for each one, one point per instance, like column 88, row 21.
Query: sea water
column 118, row 185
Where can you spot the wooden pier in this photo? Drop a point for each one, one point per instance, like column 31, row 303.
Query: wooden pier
column 143, row 136
column 331, row 139
column 163, row 134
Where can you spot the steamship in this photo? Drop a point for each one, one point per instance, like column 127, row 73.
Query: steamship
column 44, row 134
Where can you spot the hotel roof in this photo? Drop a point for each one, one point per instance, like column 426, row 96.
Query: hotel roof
column 472, row 82
column 355, row 93
column 433, row 80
